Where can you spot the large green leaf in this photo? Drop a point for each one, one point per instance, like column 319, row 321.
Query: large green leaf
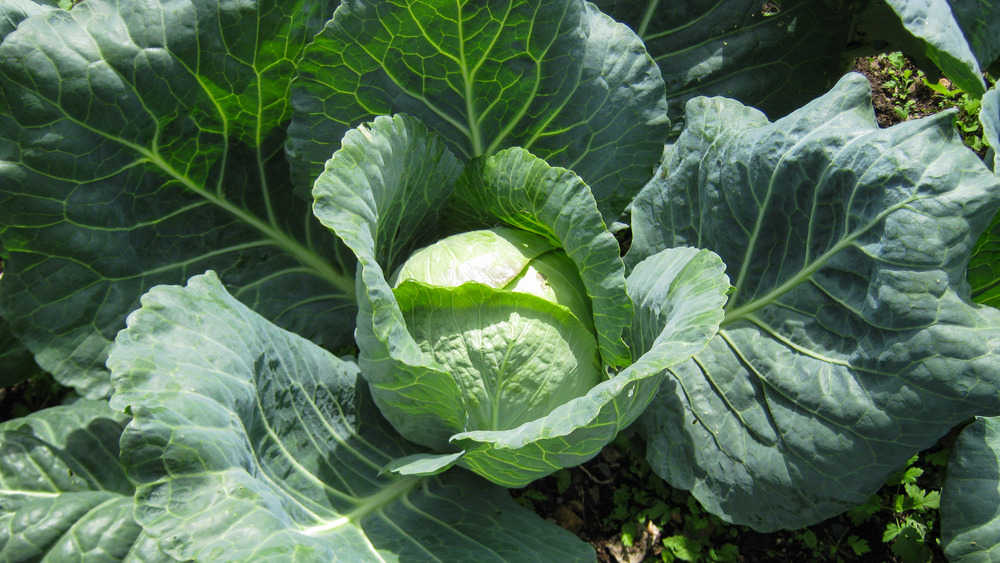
column 849, row 343
column 13, row 12
column 984, row 268
column 141, row 144
column 556, row 77
column 961, row 37
column 250, row 443
column 16, row 362
column 63, row 494
column 970, row 497
column 380, row 188
column 775, row 61
column 980, row 21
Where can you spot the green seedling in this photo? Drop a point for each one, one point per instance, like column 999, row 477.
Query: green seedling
column 967, row 119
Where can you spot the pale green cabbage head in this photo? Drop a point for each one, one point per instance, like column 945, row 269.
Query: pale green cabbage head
column 514, row 326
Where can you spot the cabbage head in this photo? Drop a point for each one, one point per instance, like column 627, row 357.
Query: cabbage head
column 496, row 325
column 517, row 333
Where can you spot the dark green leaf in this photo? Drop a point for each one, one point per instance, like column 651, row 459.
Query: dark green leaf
column 141, row 144
column 556, row 77
column 16, row 362
column 775, row 61
column 849, row 343
column 984, row 268
column 970, row 497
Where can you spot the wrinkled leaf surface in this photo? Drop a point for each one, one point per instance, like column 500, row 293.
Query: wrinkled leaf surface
column 243, row 431
column 970, row 497
column 849, row 342
column 984, row 268
column 556, row 77
column 141, row 144
column 773, row 59
column 63, row 494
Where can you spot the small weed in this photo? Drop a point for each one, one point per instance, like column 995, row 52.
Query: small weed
column 629, row 514
column 681, row 528
column 843, row 548
column 967, row 120
column 900, row 83
column 909, row 508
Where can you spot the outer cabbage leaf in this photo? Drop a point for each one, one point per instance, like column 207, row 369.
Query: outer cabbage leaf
column 141, row 144
column 984, row 268
column 13, row 12
column 989, row 116
column 397, row 174
column 63, row 494
column 419, row 396
column 556, row 77
column 849, row 343
column 961, row 37
column 243, row 431
column 970, row 497
column 16, row 362
column 775, row 62
column 980, row 21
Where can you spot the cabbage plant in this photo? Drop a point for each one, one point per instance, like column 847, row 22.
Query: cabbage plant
column 416, row 350
column 230, row 226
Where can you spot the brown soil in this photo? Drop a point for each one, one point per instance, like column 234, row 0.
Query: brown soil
column 886, row 98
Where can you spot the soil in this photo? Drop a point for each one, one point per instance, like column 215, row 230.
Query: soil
column 876, row 69
column 588, row 506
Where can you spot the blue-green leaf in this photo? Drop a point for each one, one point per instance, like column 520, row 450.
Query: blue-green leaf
column 250, row 443
column 960, row 36
column 63, row 494
column 772, row 60
column 13, row 12
column 984, row 267
column 849, row 342
column 989, row 116
column 556, row 77
column 970, row 497
column 141, row 144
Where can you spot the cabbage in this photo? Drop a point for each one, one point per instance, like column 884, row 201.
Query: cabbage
column 518, row 342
